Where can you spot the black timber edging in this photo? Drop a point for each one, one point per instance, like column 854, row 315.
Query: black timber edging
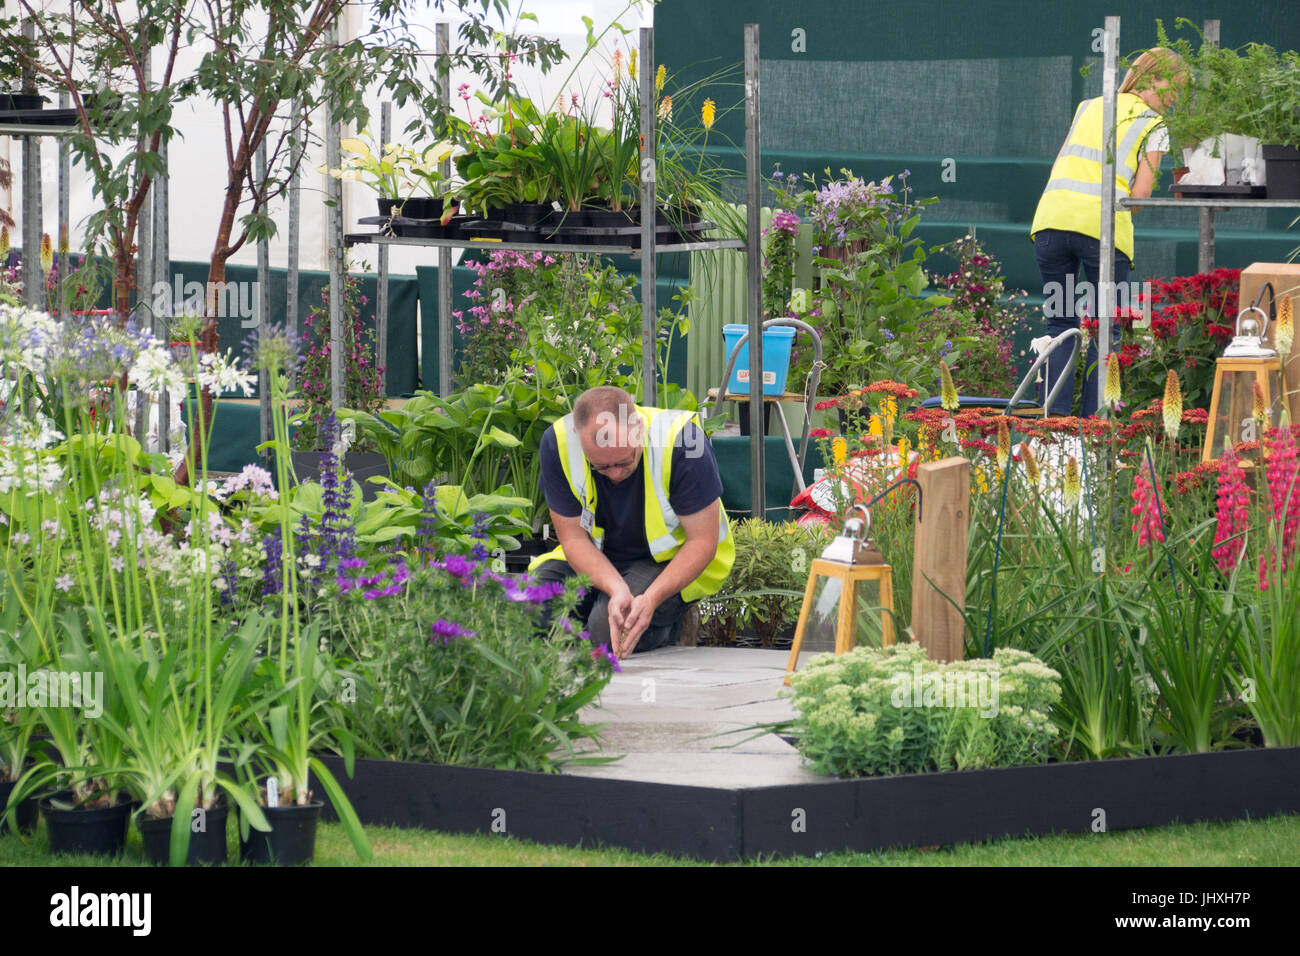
column 869, row 814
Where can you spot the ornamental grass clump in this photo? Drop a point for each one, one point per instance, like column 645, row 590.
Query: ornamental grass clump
column 893, row 711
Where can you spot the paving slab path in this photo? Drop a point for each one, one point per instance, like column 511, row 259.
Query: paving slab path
column 673, row 714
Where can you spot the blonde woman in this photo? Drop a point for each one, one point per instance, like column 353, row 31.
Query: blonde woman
column 1066, row 231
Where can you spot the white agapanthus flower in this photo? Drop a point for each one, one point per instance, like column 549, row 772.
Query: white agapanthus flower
column 223, row 373
column 154, row 371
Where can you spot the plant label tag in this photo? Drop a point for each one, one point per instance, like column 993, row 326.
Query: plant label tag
column 272, row 792
column 588, row 520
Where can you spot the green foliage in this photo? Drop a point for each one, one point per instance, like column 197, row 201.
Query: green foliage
column 455, row 671
column 361, row 388
column 480, row 440
column 763, row 592
column 892, row 711
column 868, row 307
column 1251, row 91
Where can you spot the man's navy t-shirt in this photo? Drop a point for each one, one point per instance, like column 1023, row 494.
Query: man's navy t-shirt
column 620, row 508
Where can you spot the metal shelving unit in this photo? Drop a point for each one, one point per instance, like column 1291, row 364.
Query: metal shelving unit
column 338, row 242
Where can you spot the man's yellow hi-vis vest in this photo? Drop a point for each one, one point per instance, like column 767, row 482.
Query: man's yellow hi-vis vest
column 1072, row 199
column 663, row 530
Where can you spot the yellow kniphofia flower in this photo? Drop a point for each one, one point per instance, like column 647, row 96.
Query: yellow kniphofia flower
column 661, row 75
column 631, row 63
column 1284, row 334
column 47, row 253
column 947, row 390
column 707, row 113
column 1172, row 410
column 839, row 449
column 1112, row 395
column 1032, row 474
column 1072, row 488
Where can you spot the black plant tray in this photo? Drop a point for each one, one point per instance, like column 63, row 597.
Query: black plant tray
column 863, row 815
column 1194, row 191
column 58, row 117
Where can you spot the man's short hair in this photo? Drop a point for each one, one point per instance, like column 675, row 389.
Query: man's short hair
column 603, row 400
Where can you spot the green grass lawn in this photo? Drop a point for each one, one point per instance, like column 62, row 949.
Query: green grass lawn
column 1274, row 841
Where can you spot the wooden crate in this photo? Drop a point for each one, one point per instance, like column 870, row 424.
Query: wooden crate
column 1286, row 282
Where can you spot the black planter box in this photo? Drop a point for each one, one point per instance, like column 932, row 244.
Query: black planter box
column 861, row 815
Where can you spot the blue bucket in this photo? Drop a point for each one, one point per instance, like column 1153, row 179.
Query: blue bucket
column 777, row 341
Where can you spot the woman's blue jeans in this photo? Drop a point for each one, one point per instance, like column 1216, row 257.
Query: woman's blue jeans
column 1069, row 263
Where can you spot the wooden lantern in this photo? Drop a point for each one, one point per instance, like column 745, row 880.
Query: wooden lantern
column 849, row 600
column 1246, row 363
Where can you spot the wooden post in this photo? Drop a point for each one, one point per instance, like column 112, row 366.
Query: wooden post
column 939, row 563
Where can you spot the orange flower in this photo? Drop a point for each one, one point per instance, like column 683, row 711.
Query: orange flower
column 1172, row 409
column 1032, row 473
column 1284, row 335
column 47, row 253
column 1260, row 410
column 1004, row 443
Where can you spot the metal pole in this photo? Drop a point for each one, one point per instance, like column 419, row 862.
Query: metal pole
column 162, row 278
column 336, row 254
column 263, row 305
column 754, row 277
column 33, row 280
column 1205, row 216
column 649, row 277
column 381, row 277
column 65, row 173
column 143, row 262
column 1106, row 264
column 295, row 205
column 445, row 344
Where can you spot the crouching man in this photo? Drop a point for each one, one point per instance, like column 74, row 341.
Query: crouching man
column 636, row 502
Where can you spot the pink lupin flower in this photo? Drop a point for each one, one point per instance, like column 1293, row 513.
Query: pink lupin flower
column 1148, row 524
column 1233, row 516
column 1281, row 469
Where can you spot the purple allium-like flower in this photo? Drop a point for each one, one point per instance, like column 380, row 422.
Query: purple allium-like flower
column 446, row 632
column 428, row 532
column 337, row 537
column 603, row 651
column 272, row 569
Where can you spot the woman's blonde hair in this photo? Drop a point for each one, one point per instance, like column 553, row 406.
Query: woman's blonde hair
column 1158, row 63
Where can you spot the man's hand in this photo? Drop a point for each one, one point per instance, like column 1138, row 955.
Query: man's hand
column 621, row 605
column 634, row 625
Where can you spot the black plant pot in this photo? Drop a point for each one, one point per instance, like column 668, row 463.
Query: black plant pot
column 528, row 213
column 855, row 423
column 517, row 561
column 207, row 846
column 86, row 831
column 28, row 812
column 422, row 207
column 1282, row 172
column 362, row 464
column 291, row 841
column 388, row 207
column 21, row 101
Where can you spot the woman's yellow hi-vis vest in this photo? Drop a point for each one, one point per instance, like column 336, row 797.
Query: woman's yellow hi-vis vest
column 663, row 530
column 1072, row 199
